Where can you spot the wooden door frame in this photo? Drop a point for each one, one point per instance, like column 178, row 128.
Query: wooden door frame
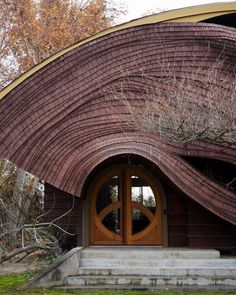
column 103, row 175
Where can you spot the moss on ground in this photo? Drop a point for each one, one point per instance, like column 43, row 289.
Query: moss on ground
column 12, row 285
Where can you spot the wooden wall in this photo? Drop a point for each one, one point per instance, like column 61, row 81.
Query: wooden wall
column 58, row 203
column 189, row 224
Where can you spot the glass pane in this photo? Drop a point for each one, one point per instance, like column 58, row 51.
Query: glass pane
column 139, row 221
column 142, row 193
column 108, row 194
column 112, row 221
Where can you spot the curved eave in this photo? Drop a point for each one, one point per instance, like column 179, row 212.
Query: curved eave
column 189, row 14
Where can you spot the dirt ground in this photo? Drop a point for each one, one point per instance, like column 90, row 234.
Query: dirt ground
column 10, row 267
column 32, row 262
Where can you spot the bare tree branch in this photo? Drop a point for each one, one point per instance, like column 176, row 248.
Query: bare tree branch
column 34, row 246
column 183, row 107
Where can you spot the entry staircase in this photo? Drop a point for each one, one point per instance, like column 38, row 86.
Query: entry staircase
column 152, row 268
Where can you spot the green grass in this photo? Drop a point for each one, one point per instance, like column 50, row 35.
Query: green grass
column 12, row 285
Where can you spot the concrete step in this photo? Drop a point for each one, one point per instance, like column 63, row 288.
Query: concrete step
column 155, row 263
column 151, row 268
column 178, row 288
column 149, row 280
column 148, row 253
column 161, row 271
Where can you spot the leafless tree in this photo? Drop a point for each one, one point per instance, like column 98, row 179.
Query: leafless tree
column 31, row 31
column 199, row 104
column 21, row 237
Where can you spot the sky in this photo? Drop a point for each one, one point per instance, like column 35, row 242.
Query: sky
column 138, row 8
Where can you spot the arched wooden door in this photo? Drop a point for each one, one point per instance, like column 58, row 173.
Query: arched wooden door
column 125, row 209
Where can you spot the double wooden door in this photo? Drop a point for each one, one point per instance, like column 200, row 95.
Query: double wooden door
column 125, row 209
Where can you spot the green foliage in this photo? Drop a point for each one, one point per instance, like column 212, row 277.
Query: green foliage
column 10, row 283
column 51, row 256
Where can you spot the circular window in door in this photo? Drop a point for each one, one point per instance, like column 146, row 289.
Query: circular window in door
column 125, row 209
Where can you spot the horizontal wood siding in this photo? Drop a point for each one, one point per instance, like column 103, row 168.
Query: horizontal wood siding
column 176, row 219
column 67, row 209
column 191, row 225
column 205, row 230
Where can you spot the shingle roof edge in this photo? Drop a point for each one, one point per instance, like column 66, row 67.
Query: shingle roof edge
column 188, row 14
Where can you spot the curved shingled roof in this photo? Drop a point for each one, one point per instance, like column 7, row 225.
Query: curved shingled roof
column 188, row 14
column 58, row 124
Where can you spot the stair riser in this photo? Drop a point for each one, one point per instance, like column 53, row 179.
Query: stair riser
column 161, row 272
column 188, row 281
column 152, row 268
column 110, row 263
column 151, row 255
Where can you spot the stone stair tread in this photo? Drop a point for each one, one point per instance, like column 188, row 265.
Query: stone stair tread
column 133, row 280
column 153, row 268
column 155, row 263
column 164, row 260
column 135, row 276
column 131, row 268
column 145, row 249
column 149, row 252
column 207, row 272
column 156, row 258
column 145, row 288
column 181, row 271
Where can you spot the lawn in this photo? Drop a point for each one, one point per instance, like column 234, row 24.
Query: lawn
column 11, row 285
